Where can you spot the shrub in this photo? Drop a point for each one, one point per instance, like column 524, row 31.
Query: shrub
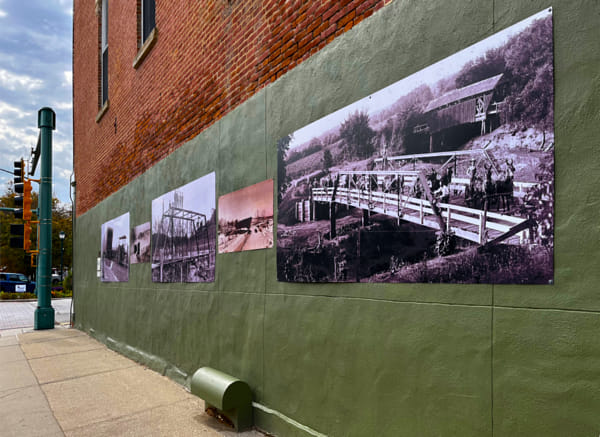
column 68, row 282
column 11, row 296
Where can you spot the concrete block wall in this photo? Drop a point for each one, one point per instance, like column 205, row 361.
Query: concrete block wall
column 376, row 359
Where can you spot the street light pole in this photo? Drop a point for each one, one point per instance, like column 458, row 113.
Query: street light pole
column 44, row 313
column 62, row 236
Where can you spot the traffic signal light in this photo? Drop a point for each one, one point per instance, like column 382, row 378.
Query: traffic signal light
column 27, row 236
column 23, row 201
column 27, row 200
column 19, row 171
column 21, row 238
column 17, row 230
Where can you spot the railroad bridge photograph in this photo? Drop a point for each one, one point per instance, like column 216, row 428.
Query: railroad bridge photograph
column 444, row 176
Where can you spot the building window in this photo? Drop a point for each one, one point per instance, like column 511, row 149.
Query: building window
column 147, row 19
column 146, row 29
column 104, row 54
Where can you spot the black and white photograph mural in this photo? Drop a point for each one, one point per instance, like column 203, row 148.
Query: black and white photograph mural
column 115, row 250
column 246, row 218
column 140, row 244
column 183, row 233
column 444, row 176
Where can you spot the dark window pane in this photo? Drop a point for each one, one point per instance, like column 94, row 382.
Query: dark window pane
column 147, row 18
column 104, row 76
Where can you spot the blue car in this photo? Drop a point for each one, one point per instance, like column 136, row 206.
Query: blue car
column 16, row 283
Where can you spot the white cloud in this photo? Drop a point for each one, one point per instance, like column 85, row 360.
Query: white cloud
column 13, row 82
column 62, row 106
column 67, row 6
column 2, row 13
column 65, row 174
column 68, row 78
column 8, row 109
column 61, row 145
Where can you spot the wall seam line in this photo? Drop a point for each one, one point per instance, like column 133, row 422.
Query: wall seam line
column 265, row 252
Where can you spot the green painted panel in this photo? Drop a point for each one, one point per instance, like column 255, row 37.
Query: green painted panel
column 240, row 335
column 577, row 93
column 242, row 271
column 242, row 154
column 546, row 379
column 349, row 367
column 142, row 313
column 197, row 327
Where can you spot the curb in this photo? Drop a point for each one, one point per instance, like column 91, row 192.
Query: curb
column 31, row 300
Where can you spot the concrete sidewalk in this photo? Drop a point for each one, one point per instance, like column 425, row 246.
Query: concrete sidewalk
column 62, row 382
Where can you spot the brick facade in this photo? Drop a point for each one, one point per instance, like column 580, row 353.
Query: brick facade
column 209, row 57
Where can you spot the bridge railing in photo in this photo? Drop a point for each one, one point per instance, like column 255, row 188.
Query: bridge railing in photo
column 471, row 224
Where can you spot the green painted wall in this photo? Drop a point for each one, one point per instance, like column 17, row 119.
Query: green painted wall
column 378, row 359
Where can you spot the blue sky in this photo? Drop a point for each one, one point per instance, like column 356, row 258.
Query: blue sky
column 36, row 71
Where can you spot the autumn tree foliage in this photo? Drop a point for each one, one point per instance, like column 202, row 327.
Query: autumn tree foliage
column 15, row 260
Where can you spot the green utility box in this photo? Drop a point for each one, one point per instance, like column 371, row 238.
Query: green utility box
column 224, row 395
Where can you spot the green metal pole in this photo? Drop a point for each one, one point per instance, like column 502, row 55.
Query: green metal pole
column 44, row 313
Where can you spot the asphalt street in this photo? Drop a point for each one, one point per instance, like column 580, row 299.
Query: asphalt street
column 17, row 314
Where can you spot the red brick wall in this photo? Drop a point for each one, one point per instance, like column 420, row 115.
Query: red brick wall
column 210, row 56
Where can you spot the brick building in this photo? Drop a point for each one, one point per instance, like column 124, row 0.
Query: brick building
column 201, row 61
column 167, row 92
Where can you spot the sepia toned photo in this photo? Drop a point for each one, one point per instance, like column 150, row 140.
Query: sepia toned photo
column 444, row 176
column 183, row 233
column 114, row 264
column 140, row 244
column 246, row 218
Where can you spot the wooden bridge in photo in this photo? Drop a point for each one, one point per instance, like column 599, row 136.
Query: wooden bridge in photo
column 392, row 193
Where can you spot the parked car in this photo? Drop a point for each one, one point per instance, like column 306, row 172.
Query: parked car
column 56, row 280
column 16, row 283
column 55, row 276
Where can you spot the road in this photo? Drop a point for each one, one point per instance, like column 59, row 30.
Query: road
column 114, row 272
column 20, row 314
column 259, row 237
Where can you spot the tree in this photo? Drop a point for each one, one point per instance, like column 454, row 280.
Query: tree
column 529, row 68
column 62, row 220
column 327, row 160
column 526, row 62
column 15, row 260
column 283, row 145
column 484, row 67
column 357, row 135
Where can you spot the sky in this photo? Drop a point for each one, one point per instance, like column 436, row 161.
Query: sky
column 429, row 75
column 198, row 196
column 120, row 227
column 247, row 201
column 35, row 72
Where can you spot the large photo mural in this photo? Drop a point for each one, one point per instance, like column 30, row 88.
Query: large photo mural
column 183, row 233
column 444, row 176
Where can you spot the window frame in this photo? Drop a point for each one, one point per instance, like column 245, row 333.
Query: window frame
column 104, row 53
column 144, row 44
column 103, row 102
